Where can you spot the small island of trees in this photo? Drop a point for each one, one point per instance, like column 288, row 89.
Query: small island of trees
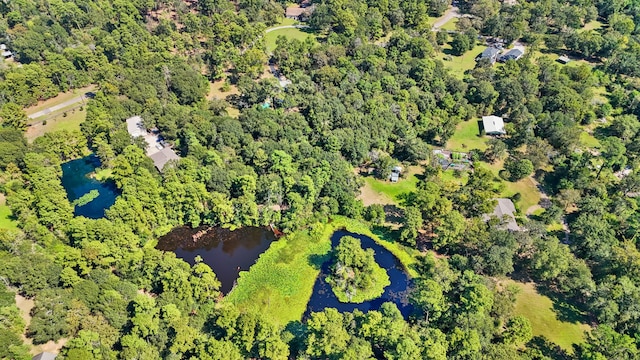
column 355, row 275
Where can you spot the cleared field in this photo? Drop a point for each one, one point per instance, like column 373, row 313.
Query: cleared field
column 61, row 98
column 459, row 64
column 6, row 220
column 57, row 122
column 290, row 33
column 467, row 137
column 544, row 317
column 450, row 25
column 384, row 192
column 592, row 25
column 530, row 195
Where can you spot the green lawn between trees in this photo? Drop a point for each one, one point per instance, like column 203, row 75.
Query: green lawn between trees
column 279, row 285
column 539, row 309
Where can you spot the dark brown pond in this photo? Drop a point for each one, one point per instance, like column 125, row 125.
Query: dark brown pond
column 226, row 252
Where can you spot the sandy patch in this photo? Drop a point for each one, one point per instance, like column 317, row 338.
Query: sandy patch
column 26, row 305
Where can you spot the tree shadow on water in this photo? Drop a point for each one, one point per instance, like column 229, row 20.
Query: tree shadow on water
column 316, row 260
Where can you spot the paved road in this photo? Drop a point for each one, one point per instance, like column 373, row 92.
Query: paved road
column 452, row 12
column 286, row 27
column 63, row 105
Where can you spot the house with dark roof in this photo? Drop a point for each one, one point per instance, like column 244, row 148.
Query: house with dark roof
column 490, row 54
column 513, row 54
column 504, row 211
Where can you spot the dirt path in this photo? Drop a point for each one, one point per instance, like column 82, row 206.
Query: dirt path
column 452, row 12
column 26, row 305
column 286, row 27
column 49, row 110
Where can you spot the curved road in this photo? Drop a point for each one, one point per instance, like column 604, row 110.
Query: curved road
column 452, row 12
column 286, row 27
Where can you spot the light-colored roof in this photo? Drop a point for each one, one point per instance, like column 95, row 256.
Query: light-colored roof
column 162, row 157
column 45, row 356
column 6, row 53
column 135, row 127
column 505, row 208
column 489, row 52
column 3, row 47
column 493, row 125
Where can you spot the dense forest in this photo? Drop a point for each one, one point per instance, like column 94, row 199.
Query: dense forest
column 371, row 90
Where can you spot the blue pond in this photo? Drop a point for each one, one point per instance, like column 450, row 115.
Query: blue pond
column 398, row 292
column 77, row 181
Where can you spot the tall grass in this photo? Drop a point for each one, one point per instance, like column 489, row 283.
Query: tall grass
column 279, row 285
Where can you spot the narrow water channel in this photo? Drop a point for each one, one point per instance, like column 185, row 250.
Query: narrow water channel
column 398, row 292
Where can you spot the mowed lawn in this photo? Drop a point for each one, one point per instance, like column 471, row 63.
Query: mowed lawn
column 467, row 137
column 544, row 319
column 290, row 33
column 6, row 220
column 59, row 122
column 59, row 99
column 459, row 64
column 376, row 191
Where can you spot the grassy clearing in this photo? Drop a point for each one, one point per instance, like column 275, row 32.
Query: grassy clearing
column 592, row 25
column 57, row 122
column 450, row 25
column 467, row 137
column 388, row 192
column 530, row 195
column 290, row 33
column 539, row 309
column 61, row 98
column 589, row 141
column 279, row 285
column 459, row 64
column 6, row 218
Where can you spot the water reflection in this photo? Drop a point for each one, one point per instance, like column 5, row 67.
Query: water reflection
column 397, row 292
column 226, row 252
column 77, row 181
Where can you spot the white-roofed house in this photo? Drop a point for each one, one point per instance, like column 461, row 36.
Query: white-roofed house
column 493, row 125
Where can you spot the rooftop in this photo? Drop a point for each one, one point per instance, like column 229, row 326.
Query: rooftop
column 493, row 125
column 162, row 157
column 135, row 127
column 489, row 52
column 295, row 11
column 505, row 209
column 45, row 356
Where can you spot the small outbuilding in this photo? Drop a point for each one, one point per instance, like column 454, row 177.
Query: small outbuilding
column 564, row 59
column 490, row 54
column 493, row 125
column 395, row 174
column 505, row 210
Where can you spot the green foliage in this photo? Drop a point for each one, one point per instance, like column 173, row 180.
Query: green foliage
column 356, row 277
column 86, row 198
